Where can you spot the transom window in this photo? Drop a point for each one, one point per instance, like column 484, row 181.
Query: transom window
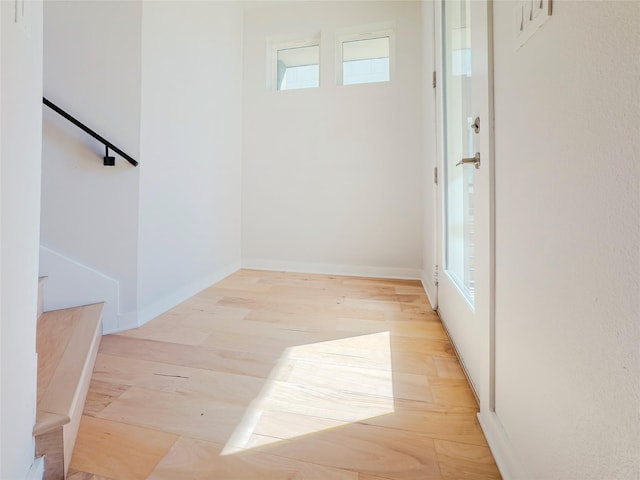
column 365, row 56
column 365, row 61
column 297, row 66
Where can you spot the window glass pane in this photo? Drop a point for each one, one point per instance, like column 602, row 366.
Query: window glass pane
column 298, row 67
column 365, row 61
column 459, row 179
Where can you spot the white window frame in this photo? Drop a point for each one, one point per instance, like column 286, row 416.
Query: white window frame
column 284, row 45
column 365, row 33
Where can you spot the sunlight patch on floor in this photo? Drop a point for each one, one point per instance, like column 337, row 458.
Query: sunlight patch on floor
column 316, row 387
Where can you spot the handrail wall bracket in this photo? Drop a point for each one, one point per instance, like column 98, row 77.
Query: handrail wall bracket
column 108, row 161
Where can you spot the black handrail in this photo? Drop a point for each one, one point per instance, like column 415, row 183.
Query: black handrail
column 110, row 161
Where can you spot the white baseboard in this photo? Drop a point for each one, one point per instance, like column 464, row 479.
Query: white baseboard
column 36, row 472
column 331, row 269
column 501, row 448
column 178, row 296
column 71, row 284
column 126, row 321
column 430, row 289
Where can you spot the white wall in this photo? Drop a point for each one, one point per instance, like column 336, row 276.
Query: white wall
column 1, row 382
column 20, row 148
column 92, row 69
column 567, row 117
column 332, row 177
column 191, row 147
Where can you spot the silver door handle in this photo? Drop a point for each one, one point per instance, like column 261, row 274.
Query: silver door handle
column 475, row 160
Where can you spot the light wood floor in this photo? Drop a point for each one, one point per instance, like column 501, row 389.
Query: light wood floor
column 284, row 376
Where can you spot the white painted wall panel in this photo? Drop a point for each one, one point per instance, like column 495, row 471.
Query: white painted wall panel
column 191, row 146
column 333, row 176
column 20, row 150
column 568, row 235
column 92, row 70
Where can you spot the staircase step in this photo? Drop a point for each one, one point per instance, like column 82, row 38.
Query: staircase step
column 67, row 344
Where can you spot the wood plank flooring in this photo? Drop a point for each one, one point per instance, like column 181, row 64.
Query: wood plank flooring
column 270, row 375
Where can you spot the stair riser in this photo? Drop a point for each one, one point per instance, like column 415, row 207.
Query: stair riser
column 50, row 445
column 71, row 429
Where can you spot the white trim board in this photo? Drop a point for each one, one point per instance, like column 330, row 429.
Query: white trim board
column 501, row 448
column 430, row 289
column 36, row 472
column 332, row 269
column 178, row 296
column 71, row 283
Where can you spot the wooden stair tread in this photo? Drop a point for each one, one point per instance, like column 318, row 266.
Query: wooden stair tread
column 48, row 421
column 53, row 333
column 65, row 341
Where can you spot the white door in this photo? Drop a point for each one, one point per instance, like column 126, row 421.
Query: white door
column 465, row 280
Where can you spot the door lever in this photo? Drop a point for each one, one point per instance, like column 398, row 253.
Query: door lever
column 475, row 160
